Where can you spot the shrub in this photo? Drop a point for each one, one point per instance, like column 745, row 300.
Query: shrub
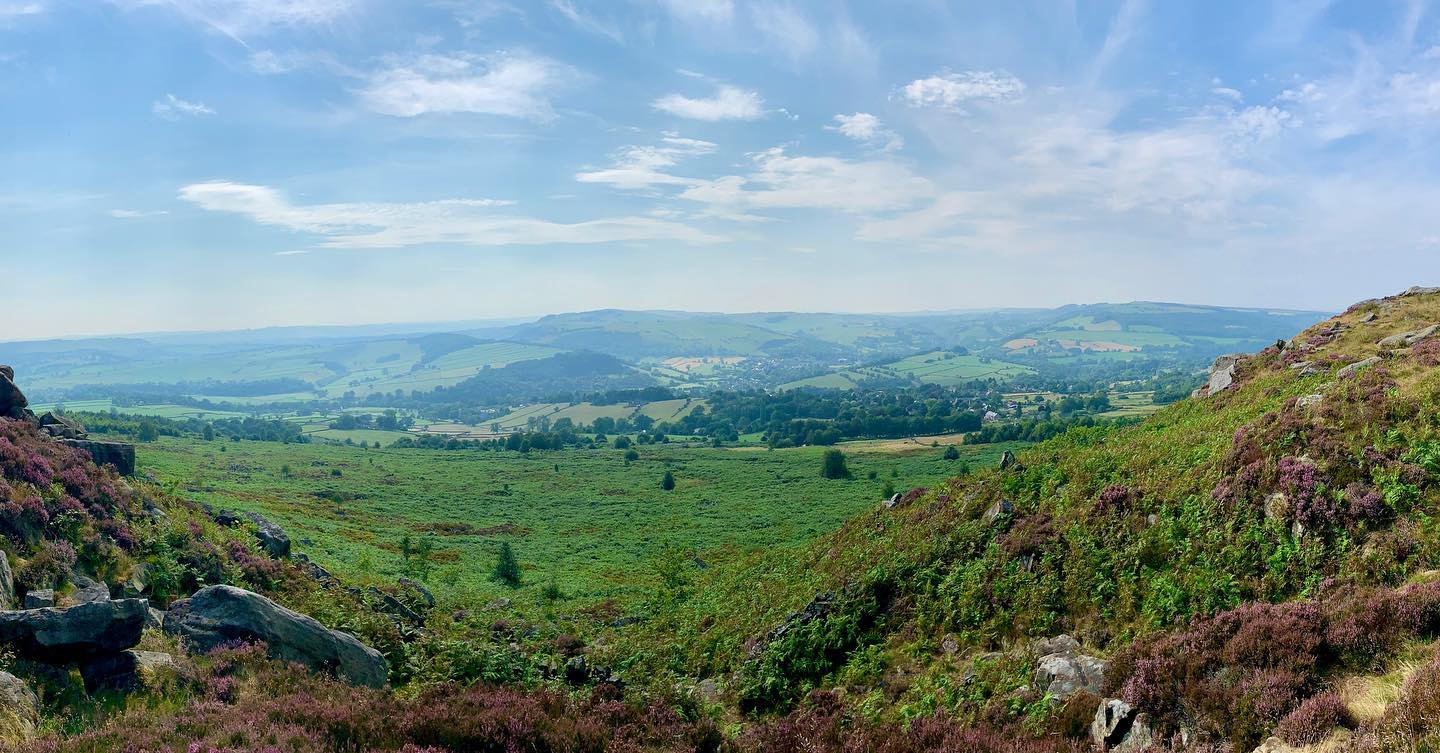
column 833, row 465
column 48, row 567
column 1314, row 719
column 507, row 568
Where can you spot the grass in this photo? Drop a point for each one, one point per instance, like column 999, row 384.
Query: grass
column 585, row 518
column 161, row 410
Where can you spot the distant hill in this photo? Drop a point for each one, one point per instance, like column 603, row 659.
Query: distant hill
column 769, row 347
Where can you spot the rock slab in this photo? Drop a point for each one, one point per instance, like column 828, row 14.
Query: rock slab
column 19, row 711
column 119, row 454
column 218, row 614
column 75, row 633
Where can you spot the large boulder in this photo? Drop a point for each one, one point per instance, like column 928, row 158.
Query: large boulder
column 218, row 614
column 19, row 711
column 12, row 401
column 1406, row 339
column 119, row 454
column 1120, row 727
column 1357, row 367
column 1062, row 670
column 1222, row 374
column 272, row 538
column 60, row 426
column 75, row 633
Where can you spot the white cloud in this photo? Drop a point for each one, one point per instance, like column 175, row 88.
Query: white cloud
column 174, row 108
column 1260, row 123
column 866, row 128
column 11, row 10
column 236, row 18
column 131, row 214
column 780, row 181
column 950, row 90
column 1228, row 93
column 468, row 222
column 729, row 103
column 515, row 86
column 643, row 166
column 785, row 29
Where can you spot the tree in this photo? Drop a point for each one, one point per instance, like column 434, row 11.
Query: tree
column 952, row 453
column 667, row 482
column 507, row 568
column 208, row 433
column 149, row 432
column 622, row 443
column 834, row 465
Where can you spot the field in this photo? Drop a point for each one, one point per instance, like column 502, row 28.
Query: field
column 159, row 410
column 587, row 519
column 582, row 414
column 939, row 367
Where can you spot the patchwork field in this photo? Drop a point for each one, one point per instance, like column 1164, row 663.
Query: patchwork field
column 939, row 367
column 586, row 519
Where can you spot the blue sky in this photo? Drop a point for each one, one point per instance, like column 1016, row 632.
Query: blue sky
column 182, row 164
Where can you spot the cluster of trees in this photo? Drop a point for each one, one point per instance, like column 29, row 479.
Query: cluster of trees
column 387, row 421
column 1037, row 429
column 150, row 428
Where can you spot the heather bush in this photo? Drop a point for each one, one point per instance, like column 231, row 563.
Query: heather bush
column 47, row 568
column 1314, row 719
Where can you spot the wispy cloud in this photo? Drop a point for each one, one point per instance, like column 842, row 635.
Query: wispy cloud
column 465, row 222
column 701, row 12
column 512, row 85
column 729, row 103
column 782, row 181
column 13, row 10
column 174, row 108
column 588, row 21
column 786, row 29
column 637, row 167
column 133, row 214
column 866, row 128
column 951, row 90
column 238, row 18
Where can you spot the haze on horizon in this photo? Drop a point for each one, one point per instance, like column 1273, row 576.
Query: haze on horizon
column 223, row 164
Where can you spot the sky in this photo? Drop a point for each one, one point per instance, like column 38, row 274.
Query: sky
column 218, row 164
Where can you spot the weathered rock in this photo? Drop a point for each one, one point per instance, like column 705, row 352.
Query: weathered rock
column 950, row 645
column 1369, row 317
column 129, row 670
column 577, row 672
column 421, row 591
column 61, row 426
column 1309, row 400
column 1406, row 339
column 1008, row 461
column 819, row 608
column 138, row 581
column 119, row 454
column 1356, row 367
column 1062, row 671
column 1299, row 365
column 75, row 633
column 272, row 538
column 1418, row 290
column 40, row 598
column 1120, row 727
column 19, row 711
column 496, row 604
column 154, row 619
column 7, row 583
column 226, row 518
column 12, row 400
column 890, row 503
column 1003, row 507
column 1222, row 374
column 391, row 605
column 87, row 590
column 217, row 614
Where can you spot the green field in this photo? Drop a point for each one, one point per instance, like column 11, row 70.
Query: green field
column 160, row 410
column 940, row 367
column 585, row 518
column 584, row 414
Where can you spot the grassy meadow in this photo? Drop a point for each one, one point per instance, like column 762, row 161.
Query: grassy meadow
column 587, row 520
column 939, row 367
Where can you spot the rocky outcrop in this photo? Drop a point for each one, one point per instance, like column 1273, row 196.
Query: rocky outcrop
column 118, row 454
column 40, row 598
column 12, row 401
column 61, row 427
column 218, row 614
column 87, row 590
column 1062, row 671
column 1357, row 367
column 75, row 633
column 19, row 711
column 1222, row 373
column 1120, row 727
column 7, row 583
column 129, row 670
column 819, row 608
column 1406, row 339
column 272, row 538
